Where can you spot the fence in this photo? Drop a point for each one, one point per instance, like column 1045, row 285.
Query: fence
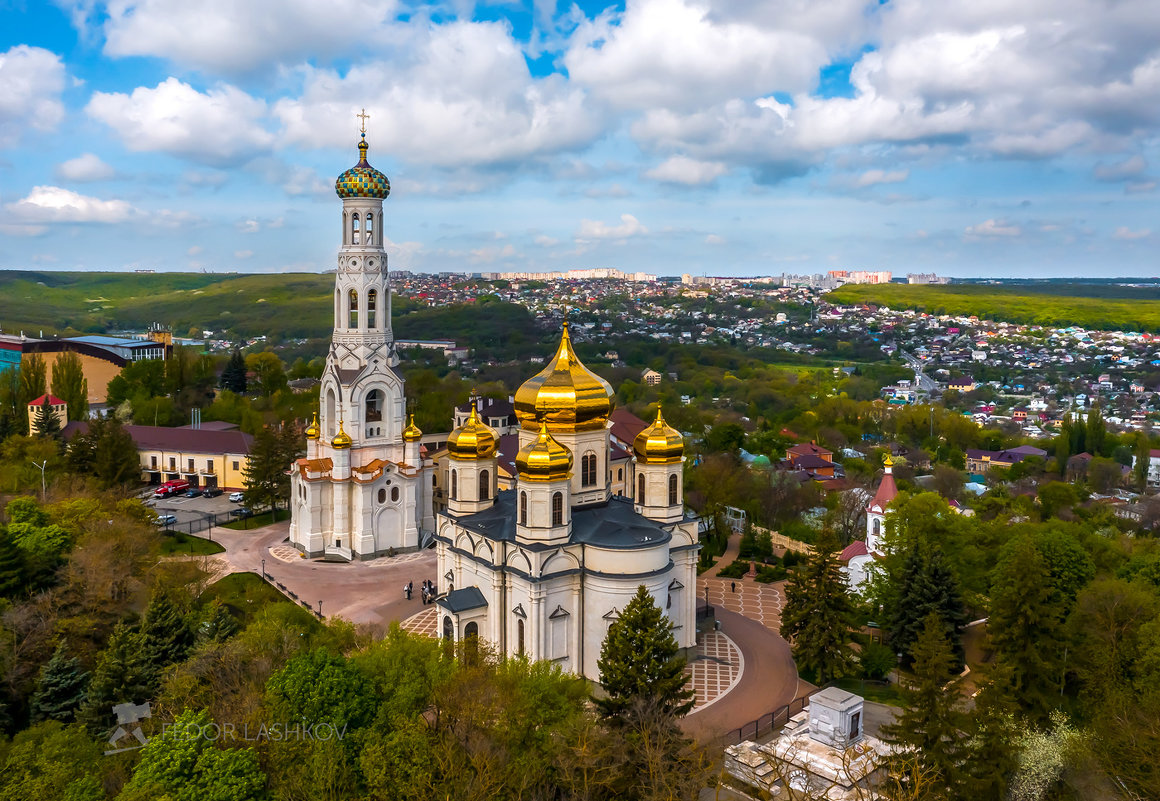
column 782, row 541
column 769, row 722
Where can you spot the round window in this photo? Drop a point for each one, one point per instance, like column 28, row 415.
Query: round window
column 382, row 496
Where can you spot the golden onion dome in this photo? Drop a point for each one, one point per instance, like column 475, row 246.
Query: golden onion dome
column 411, row 433
column 342, row 439
column 472, row 440
column 565, row 394
column 312, row 431
column 544, row 459
column 660, row 443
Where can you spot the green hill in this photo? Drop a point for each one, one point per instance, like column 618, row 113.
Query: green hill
column 1092, row 306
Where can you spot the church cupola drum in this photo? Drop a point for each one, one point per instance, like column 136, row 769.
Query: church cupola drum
column 359, row 492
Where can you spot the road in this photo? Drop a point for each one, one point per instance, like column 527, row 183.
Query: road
column 921, row 379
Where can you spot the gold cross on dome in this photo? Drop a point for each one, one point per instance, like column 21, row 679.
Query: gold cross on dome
column 363, row 116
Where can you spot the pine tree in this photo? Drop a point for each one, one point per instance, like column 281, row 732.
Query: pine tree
column 123, row 674
column 46, row 423
column 166, row 633
column 60, row 688
column 115, row 458
column 234, row 375
column 70, row 385
column 219, row 624
column 929, row 722
column 13, row 570
column 1026, row 627
column 266, row 472
column 926, row 584
column 818, row 613
column 639, row 661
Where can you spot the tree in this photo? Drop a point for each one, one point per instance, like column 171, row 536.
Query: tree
column 219, row 625
column 725, row 437
column 929, row 722
column 1104, row 475
column 639, row 660
column 234, row 375
column 12, row 566
column 1096, row 432
column 818, row 613
column 124, row 674
column 1026, row 627
column 52, row 761
column 268, row 371
column 115, row 458
column 1056, row 497
column 166, row 635
column 267, row 471
column 70, row 385
column 1143, row 458
column 45, row 421
column 925, row 586
column 948, row 482
column 33, row 378
column 60, row 688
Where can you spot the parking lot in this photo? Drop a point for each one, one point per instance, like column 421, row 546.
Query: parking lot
column 191, row 510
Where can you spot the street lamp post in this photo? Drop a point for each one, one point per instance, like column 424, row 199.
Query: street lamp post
column 43, row 487
column 263, row 568
column 320, row 608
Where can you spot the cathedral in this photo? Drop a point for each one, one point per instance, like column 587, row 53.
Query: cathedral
column 364, row 488
column 541, row 569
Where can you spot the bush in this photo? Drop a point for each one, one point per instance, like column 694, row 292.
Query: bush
column 736, row 570
column 767, row 574
column 877, row 661
column 792, row 559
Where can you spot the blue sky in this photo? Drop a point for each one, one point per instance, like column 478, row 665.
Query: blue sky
column 737, row 137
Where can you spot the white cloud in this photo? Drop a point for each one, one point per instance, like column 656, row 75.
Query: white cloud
column 461, row 95
column 1120, row 170
column 194, row 250
column 546, row 241
column 249, row 226
column 230, row 36
column 1123, row 232
column 714, row 239
column 216, row 127
column 31, row 81
column 993, row 228
column 86, row 167
column 677, row 54
column 684, row 170
column 52, row 204
column 596, row 229
column 873, row 177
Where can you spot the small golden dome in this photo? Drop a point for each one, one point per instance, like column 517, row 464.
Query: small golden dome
column 566, row 394
column 544, row 459
column 411, row 433
column 660, row 443
column 472, row 440
column 342, row 439
column 312, row 431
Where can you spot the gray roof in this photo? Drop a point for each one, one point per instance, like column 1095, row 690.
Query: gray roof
column 462, row 600
column 614, row 524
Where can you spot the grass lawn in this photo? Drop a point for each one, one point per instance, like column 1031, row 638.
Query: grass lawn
column 258, row 520
column 872, row 691
column 170, row 546
column 245, row 594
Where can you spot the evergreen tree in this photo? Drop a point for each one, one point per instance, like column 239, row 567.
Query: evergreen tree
column 266, row 473
column 123, row 674
column 115, row 458
column 13, row 571
column 639, row 661
column 929, row 722
column 925, row 585
column 60, row 688
column 46, row 423
column 818, row 613
column 166, row 633
column 70, row 385
column 234, row 375
column 219, row 624
column 1026, row 627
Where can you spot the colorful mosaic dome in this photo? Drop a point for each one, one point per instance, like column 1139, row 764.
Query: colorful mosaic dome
column 362, row 180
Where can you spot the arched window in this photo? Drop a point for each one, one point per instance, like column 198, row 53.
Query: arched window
column 353, row 306
column 454, row 484
column 354, row 229
column 394, row 494
column 374, row 406
column 520, row 637
column 370, row 237
column 673, row 490
column 448, row 628
column 372, row 296
column 588, row 470
column 640, row 489
column 877, row 527
column 523, row 508
column 484, row 485
column 620, row 474
column 331, row 412
column 557, row 509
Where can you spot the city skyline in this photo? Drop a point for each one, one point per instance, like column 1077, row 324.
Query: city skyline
column 665, row 136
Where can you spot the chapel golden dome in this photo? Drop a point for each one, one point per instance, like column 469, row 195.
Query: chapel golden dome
column 342, row 439
column 660, row 443
column 565, row 394
column 472, row 440
column 312, row 431
column 411, row 433
column 544, row 459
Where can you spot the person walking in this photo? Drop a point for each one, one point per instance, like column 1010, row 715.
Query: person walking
column 407, row 590
column 733, row 586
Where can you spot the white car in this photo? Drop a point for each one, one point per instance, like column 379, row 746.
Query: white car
column 237, row 497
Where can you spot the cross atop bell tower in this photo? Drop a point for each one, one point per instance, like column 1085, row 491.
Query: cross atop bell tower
column 364, row 117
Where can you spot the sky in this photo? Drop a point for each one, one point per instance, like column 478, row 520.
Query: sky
column 971, row 138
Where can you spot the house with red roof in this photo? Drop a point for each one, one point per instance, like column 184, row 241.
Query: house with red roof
column 56, row 407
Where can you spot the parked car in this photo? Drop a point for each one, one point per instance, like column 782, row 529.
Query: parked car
column 166, row 520
column 193, row 493
column 242, row 513
column 237, row 497
column 211, row 492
